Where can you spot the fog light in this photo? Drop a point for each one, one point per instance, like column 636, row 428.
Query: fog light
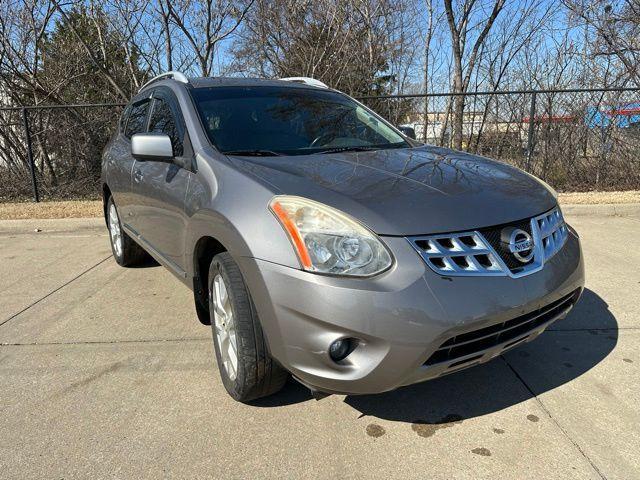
column 339, row 349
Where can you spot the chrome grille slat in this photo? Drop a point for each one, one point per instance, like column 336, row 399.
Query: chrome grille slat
column 552, row 231
column 471, row 254
column 432, row 249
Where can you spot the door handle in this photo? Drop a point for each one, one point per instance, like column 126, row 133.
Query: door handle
column 137, row 176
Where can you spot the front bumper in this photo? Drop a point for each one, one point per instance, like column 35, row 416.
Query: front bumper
column 400, row 318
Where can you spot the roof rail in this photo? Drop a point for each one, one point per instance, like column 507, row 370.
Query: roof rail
column 306, row 80
column 177, row 76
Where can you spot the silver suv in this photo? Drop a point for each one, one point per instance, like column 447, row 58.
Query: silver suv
column 320, row 242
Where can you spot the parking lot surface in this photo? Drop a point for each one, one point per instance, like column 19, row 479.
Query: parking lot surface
column 105, row 372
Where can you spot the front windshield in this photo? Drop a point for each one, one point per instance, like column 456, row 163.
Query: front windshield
column 289, row 121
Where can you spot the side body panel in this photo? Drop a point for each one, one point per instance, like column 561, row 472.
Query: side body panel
column 161, row 221
column 225, row 203
column 125, row 198
column 160, row 188
column 117, row 165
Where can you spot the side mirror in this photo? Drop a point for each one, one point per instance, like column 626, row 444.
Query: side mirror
column 151, row 146
column 408, row 132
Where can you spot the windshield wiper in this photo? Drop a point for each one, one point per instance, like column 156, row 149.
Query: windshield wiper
column 347, row 149
column 365, row 148
column 253, row 153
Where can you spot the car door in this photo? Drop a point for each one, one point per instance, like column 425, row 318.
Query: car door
column 160, row 186
column 133, row 120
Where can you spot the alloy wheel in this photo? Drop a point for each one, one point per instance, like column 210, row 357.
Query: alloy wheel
column 224, row 327
column 115, row 231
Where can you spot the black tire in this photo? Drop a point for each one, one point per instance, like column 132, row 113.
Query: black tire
column 130, row 252
column 257, row 374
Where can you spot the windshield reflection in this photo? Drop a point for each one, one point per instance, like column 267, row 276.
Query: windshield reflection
column 290, row 121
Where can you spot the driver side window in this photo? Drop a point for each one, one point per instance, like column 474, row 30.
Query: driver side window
column 137, row 118
column 164, row 121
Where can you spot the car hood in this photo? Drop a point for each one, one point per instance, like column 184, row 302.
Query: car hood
column 411, row 191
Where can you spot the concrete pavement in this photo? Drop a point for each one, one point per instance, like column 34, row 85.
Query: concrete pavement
column 106, row 373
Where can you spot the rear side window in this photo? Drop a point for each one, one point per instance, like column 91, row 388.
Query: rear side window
column 123, row 118
column 164, row 121
column 137, row 118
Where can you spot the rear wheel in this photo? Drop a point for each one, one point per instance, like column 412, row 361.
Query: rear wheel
column 247, row 370
column 125, row 250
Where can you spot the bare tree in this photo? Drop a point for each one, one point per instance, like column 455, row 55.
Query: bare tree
column 509, row 40
column 95, row 59
column 205, row 24
column 363, row 47
column 433, row 18
column 164, row 11
column 461, row 32
column 616, row 31
column 89, row 51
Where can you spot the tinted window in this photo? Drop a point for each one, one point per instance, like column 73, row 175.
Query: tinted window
column 123, row 118
column 289, row 120
column 137, row 118
column 163, row 121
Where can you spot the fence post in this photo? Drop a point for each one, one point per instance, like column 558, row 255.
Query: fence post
column 32, row 166
column 531, row 133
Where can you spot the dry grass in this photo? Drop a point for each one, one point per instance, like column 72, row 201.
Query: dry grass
column 93, row 208
column 64, row 209
column 597, row 198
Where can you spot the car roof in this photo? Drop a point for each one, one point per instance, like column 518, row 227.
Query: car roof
column 208, row 82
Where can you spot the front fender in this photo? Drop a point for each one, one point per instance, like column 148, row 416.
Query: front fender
column 226, row 204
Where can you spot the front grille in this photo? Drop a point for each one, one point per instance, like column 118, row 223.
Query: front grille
column 552, row 231
column 492, row 234
column 464, row 253
column 474, row 342
column 483, row 253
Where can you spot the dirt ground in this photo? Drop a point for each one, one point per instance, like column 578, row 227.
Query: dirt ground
column 93, row 208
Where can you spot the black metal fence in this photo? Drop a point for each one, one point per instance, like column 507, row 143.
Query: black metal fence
column 579, row 139
column 576, row 139
column 53, row 151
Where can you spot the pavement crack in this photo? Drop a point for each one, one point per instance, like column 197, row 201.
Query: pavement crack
column 548, row 412
column 54, row 291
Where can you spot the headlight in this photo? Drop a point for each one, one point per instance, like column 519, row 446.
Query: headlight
column 329, row 241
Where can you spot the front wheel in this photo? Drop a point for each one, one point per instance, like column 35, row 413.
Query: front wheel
column 247, row 370
column 125, row 250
